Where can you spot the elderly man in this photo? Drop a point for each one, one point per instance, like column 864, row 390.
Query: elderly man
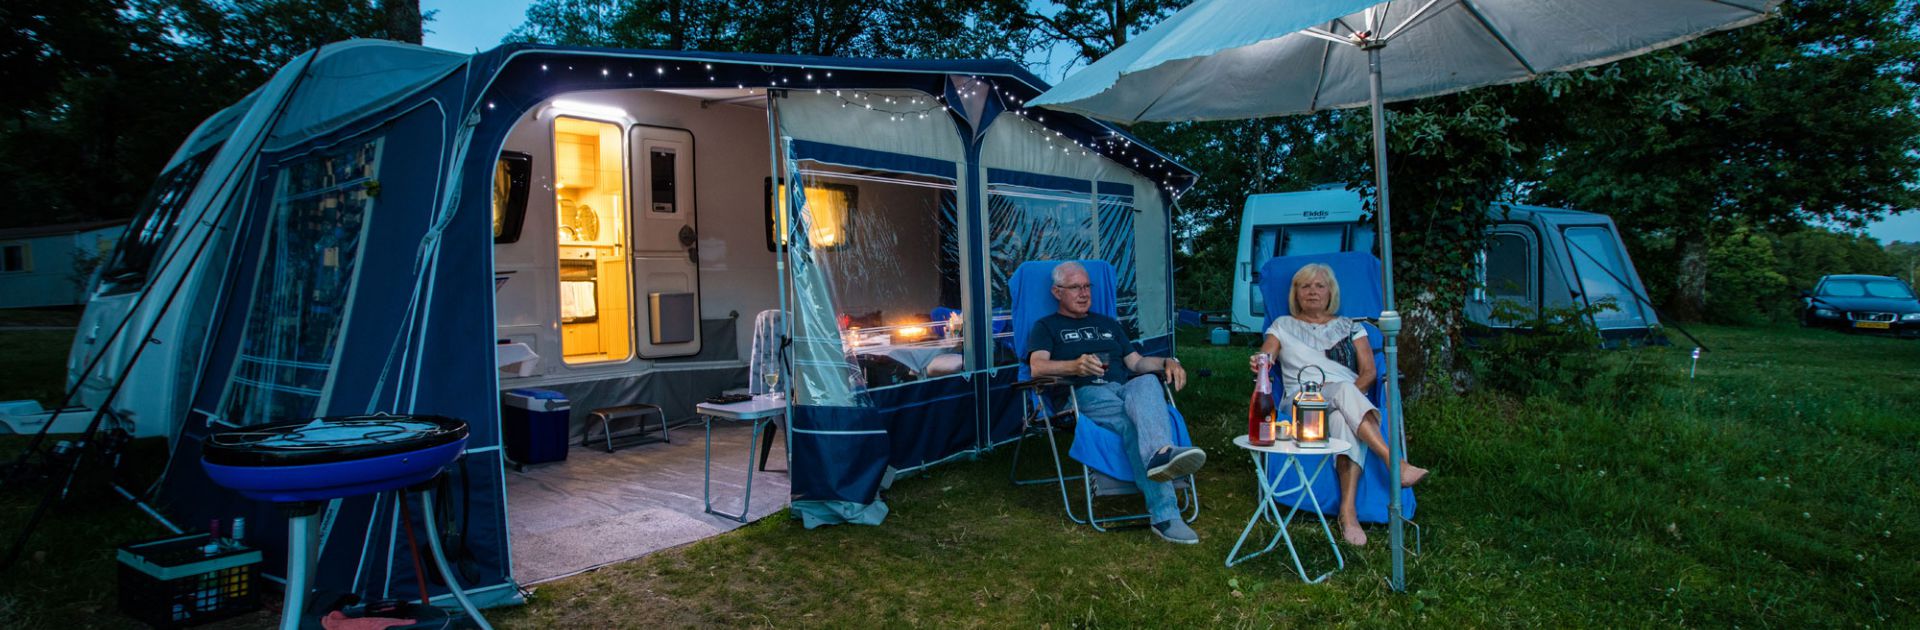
column 1078, row 347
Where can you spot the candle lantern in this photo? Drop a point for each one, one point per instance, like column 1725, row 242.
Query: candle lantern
column 1310, row 412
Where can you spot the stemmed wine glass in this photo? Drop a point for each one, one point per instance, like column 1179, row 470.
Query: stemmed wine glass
column 1101, row 378
column 772, row 379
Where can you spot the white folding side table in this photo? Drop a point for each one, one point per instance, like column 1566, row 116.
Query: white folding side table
column 1269, row 508
column 760, row 411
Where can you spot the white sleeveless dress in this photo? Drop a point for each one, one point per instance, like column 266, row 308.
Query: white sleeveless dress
column 1304, row 344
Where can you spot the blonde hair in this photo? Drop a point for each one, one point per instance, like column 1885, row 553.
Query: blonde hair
column 1307, row 273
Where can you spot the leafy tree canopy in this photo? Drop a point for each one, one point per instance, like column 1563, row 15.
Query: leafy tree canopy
column 103, row 91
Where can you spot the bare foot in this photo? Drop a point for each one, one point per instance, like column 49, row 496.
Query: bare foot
column 1411, row 474
column 1351, row 531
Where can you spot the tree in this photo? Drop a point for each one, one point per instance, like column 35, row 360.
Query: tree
column 1744, row 266
column 860, row 28
column 403, row 20
column 103, row 91
column 1905, row 258
column 1093, row 28
column 1812, row 117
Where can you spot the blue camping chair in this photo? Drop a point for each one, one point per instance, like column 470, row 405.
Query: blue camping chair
column 1358, row 274
column 1050, row 407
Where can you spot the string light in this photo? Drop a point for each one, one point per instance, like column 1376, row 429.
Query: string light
column 1112, row 145
column 916, row 106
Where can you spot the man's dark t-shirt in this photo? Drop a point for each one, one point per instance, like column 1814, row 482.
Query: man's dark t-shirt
column 1065, row 339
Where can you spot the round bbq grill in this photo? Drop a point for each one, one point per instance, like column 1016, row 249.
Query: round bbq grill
column 301, row 464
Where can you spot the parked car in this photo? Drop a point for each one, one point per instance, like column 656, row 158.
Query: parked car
column 1877, row 304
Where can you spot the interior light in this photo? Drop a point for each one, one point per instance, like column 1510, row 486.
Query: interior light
column 589, row 110
column 829, row 207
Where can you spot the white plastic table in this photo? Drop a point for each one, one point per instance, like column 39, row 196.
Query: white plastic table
column 1269, row 508
column 760, row 411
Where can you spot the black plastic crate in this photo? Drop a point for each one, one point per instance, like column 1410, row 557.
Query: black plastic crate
column 174, row 582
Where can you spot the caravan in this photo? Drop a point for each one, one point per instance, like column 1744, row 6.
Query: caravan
column 385, row 228
column 1535, row 259
column 1320, row 221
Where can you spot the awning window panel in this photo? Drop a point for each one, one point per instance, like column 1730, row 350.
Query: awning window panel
column 321, row 204
column 880, row 261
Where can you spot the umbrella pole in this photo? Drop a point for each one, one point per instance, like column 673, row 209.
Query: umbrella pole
column 1389, row 322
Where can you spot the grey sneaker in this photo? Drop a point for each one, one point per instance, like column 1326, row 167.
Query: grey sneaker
column 1175, row 462
column 1176, row 531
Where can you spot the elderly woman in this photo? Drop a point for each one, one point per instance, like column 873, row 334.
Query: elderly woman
column 1314, row 335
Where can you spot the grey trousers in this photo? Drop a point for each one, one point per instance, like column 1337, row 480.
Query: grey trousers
column 1138, row 412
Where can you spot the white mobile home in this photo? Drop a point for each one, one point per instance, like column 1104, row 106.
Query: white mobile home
column 49, row 265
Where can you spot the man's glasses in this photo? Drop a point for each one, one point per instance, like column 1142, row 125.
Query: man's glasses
column 1073, row 288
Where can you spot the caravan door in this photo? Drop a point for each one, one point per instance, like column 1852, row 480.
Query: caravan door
column 666, row 269
column 1596, row 255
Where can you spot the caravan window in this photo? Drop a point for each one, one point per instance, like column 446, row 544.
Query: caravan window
column 661, row 182
column 1602, row 276
column 589, row 175
column 127, row 270
column 1265, row 243
column 306, row 275
column 1508, row 269
column 1507, row 278
column 511, row 175
column 880, row 242
column 1313, row 239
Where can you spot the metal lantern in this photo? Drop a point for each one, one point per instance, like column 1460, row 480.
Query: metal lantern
column 1310, row 412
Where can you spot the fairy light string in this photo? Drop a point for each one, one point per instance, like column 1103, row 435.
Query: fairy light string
column 1111, row 144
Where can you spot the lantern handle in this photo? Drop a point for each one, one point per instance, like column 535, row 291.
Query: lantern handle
column 1300, row 376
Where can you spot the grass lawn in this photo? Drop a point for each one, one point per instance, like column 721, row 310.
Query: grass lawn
column 1777, row 488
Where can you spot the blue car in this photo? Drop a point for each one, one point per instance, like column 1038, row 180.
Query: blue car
column 1876, row 304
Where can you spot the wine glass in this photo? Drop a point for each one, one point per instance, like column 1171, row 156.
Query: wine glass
column 772, row 379
column 1101, row 378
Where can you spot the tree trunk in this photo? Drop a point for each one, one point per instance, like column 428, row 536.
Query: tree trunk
column 403, row 20
column 1690, row 277
column 677, row 26
column 1426, row 346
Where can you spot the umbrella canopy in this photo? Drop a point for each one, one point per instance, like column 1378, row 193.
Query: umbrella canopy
column 1235, row 59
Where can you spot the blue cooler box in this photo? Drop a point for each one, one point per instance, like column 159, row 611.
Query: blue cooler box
column 533, row 423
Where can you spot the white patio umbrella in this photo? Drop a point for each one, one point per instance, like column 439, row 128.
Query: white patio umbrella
column 1236, row 59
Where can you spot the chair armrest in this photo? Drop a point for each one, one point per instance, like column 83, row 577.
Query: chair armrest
column 1037, row 383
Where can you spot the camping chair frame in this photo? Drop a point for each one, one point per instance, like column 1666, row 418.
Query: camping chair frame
column 1039, row 417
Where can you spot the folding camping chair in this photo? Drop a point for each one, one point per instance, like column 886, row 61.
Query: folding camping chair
column 1050, row 407
column 1358, row 274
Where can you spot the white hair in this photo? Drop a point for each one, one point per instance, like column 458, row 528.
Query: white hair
column 1060, row 271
